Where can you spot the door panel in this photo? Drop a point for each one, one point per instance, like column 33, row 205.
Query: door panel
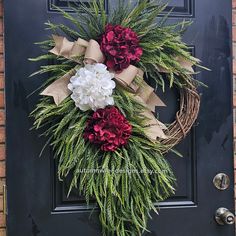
column 37, row 201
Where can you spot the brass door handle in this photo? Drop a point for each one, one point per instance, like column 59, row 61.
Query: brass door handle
column 224, row 217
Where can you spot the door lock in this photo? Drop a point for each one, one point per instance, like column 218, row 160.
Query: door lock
column 224, row 217
column 221, row 181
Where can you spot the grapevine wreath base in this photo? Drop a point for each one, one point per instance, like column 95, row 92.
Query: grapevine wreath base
column 185, row 117
column 97, row 111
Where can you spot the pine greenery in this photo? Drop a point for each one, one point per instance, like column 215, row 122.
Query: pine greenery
column 125, row 199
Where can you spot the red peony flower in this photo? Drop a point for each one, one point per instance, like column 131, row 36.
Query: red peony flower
column 108, row 128
column 120, row 46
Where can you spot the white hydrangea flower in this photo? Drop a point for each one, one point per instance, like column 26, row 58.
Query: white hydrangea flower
column 92, row 87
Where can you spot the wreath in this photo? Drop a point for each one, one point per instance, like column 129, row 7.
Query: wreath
column 97, row 110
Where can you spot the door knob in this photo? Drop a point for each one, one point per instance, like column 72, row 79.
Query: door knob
column 224, row 217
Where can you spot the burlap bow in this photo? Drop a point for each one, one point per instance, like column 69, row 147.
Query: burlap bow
column 92, row 54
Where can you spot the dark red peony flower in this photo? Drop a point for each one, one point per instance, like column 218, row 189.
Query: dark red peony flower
column 108, row 128
column 120, row 46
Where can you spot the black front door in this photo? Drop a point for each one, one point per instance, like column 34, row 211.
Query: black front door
column 37, row 202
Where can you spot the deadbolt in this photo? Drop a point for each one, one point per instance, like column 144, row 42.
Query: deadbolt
column 224, row 217
column 221, row 181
